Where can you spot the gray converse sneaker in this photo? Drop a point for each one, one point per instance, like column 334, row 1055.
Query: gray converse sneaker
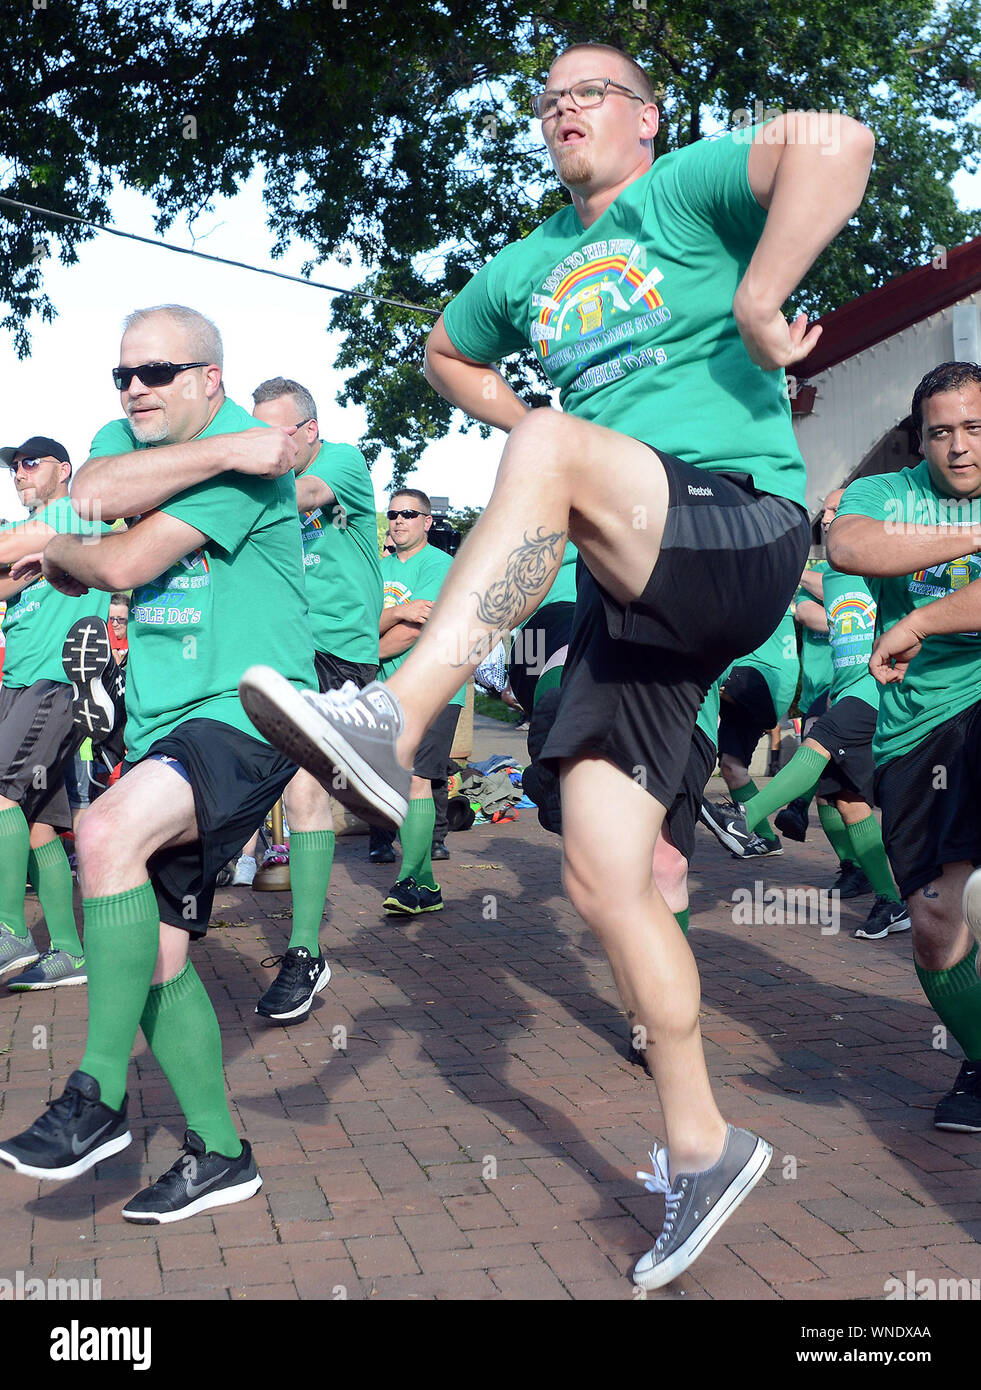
column 346, row 738
column 49, row 971
column 696, row 1204
column 16, row 952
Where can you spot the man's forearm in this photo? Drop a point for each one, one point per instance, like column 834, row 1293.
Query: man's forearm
column 883, row 550
column 813, row 582
column 94, row 562
column 818, row 185
column 810, row 614
column 480, row 391
column 125, row 485
column 398, row 639
column 957, row 612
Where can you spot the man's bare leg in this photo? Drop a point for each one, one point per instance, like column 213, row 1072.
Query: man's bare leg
column 651, row 961
column 560, row 478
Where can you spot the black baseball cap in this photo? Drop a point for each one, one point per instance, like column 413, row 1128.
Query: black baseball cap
column 37, row 447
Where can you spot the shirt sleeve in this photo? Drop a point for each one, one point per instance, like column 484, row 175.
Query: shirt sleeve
column 709, row 184
column 431, row 575
column 875, row 497
column 343, row 468
column 114, row 438
column 480, row 321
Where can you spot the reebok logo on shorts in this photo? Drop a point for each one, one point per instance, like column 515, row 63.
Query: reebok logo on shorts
column 700, row 491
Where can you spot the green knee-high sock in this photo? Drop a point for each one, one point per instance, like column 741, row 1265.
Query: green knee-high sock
column 549, row 680
column 682, row 919
column 955, row 997
column 311, row 858
column 52, row 878
column 741, row 795
column 122, row 937
column 180, row 1025
column 798, row 778
column 866, row 841
column 837, row 832
column 15, row 846
column 417, row 841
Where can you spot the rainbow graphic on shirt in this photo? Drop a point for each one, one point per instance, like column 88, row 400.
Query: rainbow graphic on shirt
column 589, row 296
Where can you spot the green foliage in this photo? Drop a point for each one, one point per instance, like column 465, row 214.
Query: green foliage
column 400, row 133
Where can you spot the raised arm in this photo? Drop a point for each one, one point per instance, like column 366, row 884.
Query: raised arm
column 809, row 170
column 476, row 387
column 120, row 559
column 884, row 549
column 126, row 485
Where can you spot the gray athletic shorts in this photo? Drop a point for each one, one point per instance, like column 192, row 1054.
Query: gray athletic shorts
column 37, row 739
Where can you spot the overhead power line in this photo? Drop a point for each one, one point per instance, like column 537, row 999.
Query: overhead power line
column 219, row 260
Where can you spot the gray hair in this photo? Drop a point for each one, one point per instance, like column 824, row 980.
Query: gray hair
column 203, row 338
column 278, row 386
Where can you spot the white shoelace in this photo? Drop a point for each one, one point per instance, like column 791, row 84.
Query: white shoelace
column 658, row 1181
column 346, row 704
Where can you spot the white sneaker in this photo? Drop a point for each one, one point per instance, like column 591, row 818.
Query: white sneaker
column 245, row 871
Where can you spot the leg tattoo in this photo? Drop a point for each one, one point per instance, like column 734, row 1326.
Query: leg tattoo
column 529, row 573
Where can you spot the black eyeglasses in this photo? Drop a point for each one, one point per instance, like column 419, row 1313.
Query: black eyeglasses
column 152, row 373
column 300, row 423
column 28, row 465
column 591, row 92
column 406, row 513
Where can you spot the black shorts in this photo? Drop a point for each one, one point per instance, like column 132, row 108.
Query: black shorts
column 683, row 814
column 547, row 632
column 746, row 713
column 38, row 740
column 846, row 732
column 333, row 671
column 635, row 676
column 931, row 809
column 236, row 780
column 814, row 711
column 433, row 753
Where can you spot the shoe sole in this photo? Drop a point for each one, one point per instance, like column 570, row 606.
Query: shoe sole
column 740, row 1188
column 790, row 832
column 729, row 841
column 74, row 1170
column 86, row 657
column 892, row 930
column 46, row 984
column 226, row 1197
column 304, row 1009
column 21, row 963
column 956, row 1128
column 395, row 909
column 281, row 713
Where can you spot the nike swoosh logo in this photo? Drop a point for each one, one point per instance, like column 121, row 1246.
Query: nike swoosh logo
column 78, row 1148
column 193, row 1188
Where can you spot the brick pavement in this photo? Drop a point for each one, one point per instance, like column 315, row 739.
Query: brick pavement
column 458, row 1119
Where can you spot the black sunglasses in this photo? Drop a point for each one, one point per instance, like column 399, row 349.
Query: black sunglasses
column 152, row 373
column 28, row 465
column 407, row 513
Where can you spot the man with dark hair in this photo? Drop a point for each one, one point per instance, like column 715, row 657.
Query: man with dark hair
column 336, row 505
column 38, row 737
column 654, row 302
column 915, row 536
column 217, row 526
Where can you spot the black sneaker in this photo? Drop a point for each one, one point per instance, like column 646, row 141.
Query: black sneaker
column 851, row 881
column 384, row 854
column 197, row 1182
column 727, row 822
column 792, row 820
column 758, row 848
column 439, row 850
column 960, row 1108
column 75, row 1132
column 885, row 917
column 403, row 898
column 430, row 899
column 696, row 1204
column 91, row 667
column 290, row 996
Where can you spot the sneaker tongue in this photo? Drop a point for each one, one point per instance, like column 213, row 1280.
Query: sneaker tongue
column 193, row 1142
column 81, row 1081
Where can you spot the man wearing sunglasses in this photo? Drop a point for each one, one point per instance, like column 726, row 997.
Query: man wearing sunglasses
column 38, row 737
column 413, row 575
column 654, row 302
column 339, row 527
column 217, row 526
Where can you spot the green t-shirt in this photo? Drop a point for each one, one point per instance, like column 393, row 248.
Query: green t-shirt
column 236, row 600
column 777, row 661
column 340, row 557
column 37, row 619
column 707, row 718
column 945, row 676
column 563, row 588
column 632, row 318
column 815, row 654
column 421, row 576
column 850, row 607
